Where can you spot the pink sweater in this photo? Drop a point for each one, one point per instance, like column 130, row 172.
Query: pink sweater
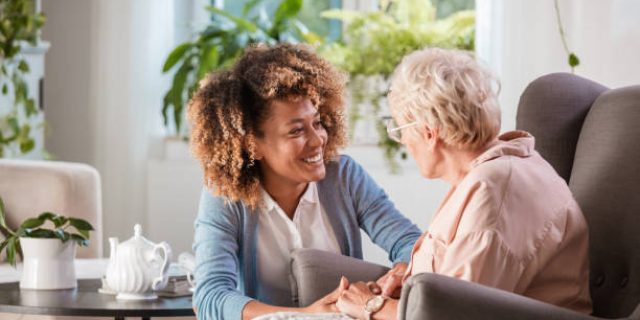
column 512, row 224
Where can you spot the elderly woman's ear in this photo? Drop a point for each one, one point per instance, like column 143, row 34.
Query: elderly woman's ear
column 430, row 136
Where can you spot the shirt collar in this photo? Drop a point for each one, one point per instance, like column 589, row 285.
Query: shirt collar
column 513, row 143
column 310, row 196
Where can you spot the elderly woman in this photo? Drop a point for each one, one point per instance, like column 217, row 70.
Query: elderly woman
column 508, row 221
column 267, row 134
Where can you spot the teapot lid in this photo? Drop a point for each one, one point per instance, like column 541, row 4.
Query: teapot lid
column 138, row 240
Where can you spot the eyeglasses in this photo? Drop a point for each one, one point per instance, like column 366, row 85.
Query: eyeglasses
column 395, row 131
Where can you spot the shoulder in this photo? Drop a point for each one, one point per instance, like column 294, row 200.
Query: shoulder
column 213, row 207
column 342, row 168
column 494, row 173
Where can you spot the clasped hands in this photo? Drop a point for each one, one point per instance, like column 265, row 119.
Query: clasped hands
column 350, row 298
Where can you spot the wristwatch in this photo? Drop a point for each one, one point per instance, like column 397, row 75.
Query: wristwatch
column 373, row 305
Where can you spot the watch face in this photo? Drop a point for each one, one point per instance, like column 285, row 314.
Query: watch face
column 374, row 304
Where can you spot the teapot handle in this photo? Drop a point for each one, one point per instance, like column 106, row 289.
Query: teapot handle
column 164, row 250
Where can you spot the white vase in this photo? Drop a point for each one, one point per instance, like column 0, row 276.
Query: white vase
column 48, row 264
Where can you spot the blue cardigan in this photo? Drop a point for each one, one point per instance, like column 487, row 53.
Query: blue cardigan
column 225, row 237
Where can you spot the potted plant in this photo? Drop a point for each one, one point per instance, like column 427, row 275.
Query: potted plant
column 47, row 253
column 374, row 43
column 19, row 27
column 221, row 43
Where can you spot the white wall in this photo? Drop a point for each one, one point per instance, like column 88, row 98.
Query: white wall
column 519, row 39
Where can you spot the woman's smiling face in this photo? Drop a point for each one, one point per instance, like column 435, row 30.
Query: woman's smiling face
column 291, row 147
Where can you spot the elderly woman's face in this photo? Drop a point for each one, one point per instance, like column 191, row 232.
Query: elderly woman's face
column 421, row 144
column 292, row 146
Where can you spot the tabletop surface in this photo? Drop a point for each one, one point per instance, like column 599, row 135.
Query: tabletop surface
column 86, row 301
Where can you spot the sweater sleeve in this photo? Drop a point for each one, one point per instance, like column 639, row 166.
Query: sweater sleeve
column 216, row 246
column 378, row 216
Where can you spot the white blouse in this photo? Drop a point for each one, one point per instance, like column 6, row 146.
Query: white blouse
column 278, row 235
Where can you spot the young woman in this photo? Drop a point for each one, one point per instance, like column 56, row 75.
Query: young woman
column 267, row 134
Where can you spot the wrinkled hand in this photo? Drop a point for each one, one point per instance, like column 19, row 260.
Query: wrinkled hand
column 390, row 284
column 328, row 302
column 353, row 299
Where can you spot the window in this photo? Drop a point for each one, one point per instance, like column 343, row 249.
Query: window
column 309, row 15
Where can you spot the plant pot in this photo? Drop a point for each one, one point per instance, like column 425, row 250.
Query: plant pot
column 48, row 264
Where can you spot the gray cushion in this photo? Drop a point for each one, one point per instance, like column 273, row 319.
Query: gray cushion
column 552, row 108
column 316, row 273
column 605, row 181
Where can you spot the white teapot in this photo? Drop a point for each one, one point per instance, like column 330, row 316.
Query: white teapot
column 137, row 267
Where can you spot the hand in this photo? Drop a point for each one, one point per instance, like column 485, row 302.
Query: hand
column 353, row 299
column 328, row 302
column 390, row 284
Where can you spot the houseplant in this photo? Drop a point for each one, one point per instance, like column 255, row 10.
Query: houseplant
column 221, row 43
column 19, row 26
column 47, row 253
column 374, row 43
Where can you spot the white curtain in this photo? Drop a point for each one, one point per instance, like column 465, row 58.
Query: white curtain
column 520, row 41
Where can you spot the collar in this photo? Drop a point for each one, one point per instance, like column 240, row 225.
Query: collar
column 512, row 143
column 310, row 196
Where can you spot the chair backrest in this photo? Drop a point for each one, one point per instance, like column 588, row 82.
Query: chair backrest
column 605, row 181
column 30, row 187
column 593, row 147
column 552, row 108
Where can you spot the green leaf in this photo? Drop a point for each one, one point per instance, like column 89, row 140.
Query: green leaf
column 11, row 251
column 23, row 66
column 59, row 221
column 80, row 224
column 573, row 60
column 40, row 233
column 208, row 61
column 30, row 107
column 250, row 4
column 27, row 145
column 176, row 55
column 32, row 223
column 240, row 22
column 84, row 233
column 62, row 235
column 4, row 243
column 286, row 10
column 47, row 216
column 79, row 240
column 5, row 89
column 3, row 216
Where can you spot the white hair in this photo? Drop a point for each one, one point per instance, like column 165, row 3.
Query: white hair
column 448, row 90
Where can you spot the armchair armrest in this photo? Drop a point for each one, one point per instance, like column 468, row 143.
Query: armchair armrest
column 434, row 296
column 317, row 272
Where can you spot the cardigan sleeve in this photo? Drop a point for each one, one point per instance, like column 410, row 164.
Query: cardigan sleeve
column 378, row 216
column 216, row 247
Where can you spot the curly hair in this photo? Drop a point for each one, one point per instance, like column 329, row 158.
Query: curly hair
column 227, row 110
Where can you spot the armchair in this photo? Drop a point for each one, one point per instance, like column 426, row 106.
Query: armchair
column 587, row 132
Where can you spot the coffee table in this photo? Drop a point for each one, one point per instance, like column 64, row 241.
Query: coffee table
column 86, row 301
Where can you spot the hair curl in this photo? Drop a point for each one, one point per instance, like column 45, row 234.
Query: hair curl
column 227, row 110
column 451, row 91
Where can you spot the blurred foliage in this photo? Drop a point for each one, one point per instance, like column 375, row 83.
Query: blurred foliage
column 19, row 25
column 219, row 45
column 374, row 43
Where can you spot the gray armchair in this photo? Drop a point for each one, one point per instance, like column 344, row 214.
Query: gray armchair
column 588, row 133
